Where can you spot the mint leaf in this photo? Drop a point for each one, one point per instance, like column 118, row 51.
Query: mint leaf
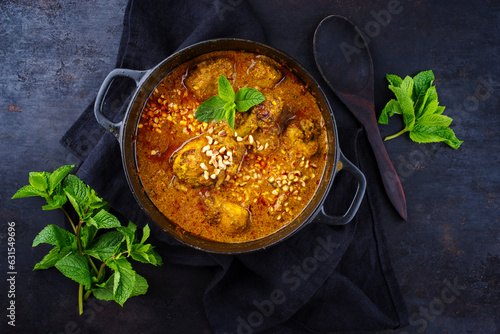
column 146, row 232
column 230, row 107
column 104, row 219
column 394, row 80
column 48, row 186
column 220, row 113
column 76, row 267
column 83, row 198
column 226, row 91
column 104, row 291
column 58, row 175
column 132, row 227
column 223, row 106
column 428, row 103
column 28, row 191
column 208, row 109
column 435, row 120
column 140, row 253
column 422, row 82
column 406, row 104
column 39, row 181
column 55, row 236
column 56, row 202
column 248, row 97
column 392, row 107
column 124, row 279
column 87, row 234
column 105, row 246
column 95, row 203
column 141, row 257
column 52, row 257
column 407, row 86
column 431, row 134
column 43, row 184
column 129, row 234
column 144, row 252
column 150, row 257
column 140, row 287
column 77, row 194
column 439, row 110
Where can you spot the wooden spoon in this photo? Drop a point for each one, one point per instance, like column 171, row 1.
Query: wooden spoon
column 344, row 60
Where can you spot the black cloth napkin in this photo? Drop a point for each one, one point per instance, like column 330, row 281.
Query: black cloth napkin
column 322, row 279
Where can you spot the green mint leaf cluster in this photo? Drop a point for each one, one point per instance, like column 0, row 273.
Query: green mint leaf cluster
column 222, row 107
column 417, row 101
column 96, row 255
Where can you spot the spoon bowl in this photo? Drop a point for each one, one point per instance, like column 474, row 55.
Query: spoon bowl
column 350, row 61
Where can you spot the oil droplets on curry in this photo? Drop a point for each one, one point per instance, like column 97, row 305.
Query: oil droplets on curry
column 231, row 185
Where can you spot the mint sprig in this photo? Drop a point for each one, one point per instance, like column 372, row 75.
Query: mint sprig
column 417, row 101
column 96, row 255
column 222, row 107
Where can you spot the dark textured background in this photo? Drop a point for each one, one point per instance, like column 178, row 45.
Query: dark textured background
column 54, row 55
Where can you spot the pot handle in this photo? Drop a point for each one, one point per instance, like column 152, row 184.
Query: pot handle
column 323, row 217
column 113, row 127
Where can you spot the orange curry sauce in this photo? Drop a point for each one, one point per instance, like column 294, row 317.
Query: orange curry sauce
column 283, row 157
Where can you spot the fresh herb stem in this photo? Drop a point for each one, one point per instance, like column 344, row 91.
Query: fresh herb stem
column 103, row 265
column 92, row 264
column 80, row 299
column 396, row 134
column 65, row 212
column 69, row 218
column 78, row 241
column 87, row 294
column 101, row 270
column 119, row 254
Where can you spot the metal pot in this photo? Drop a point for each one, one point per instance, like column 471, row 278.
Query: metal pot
column 125, row 132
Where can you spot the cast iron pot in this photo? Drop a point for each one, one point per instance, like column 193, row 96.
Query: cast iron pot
column 125, row 131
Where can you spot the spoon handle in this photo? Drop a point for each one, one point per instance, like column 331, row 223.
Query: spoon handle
column 390, row 178
column 363, row 109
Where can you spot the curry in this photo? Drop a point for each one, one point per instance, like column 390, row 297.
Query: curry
column 223, row 184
